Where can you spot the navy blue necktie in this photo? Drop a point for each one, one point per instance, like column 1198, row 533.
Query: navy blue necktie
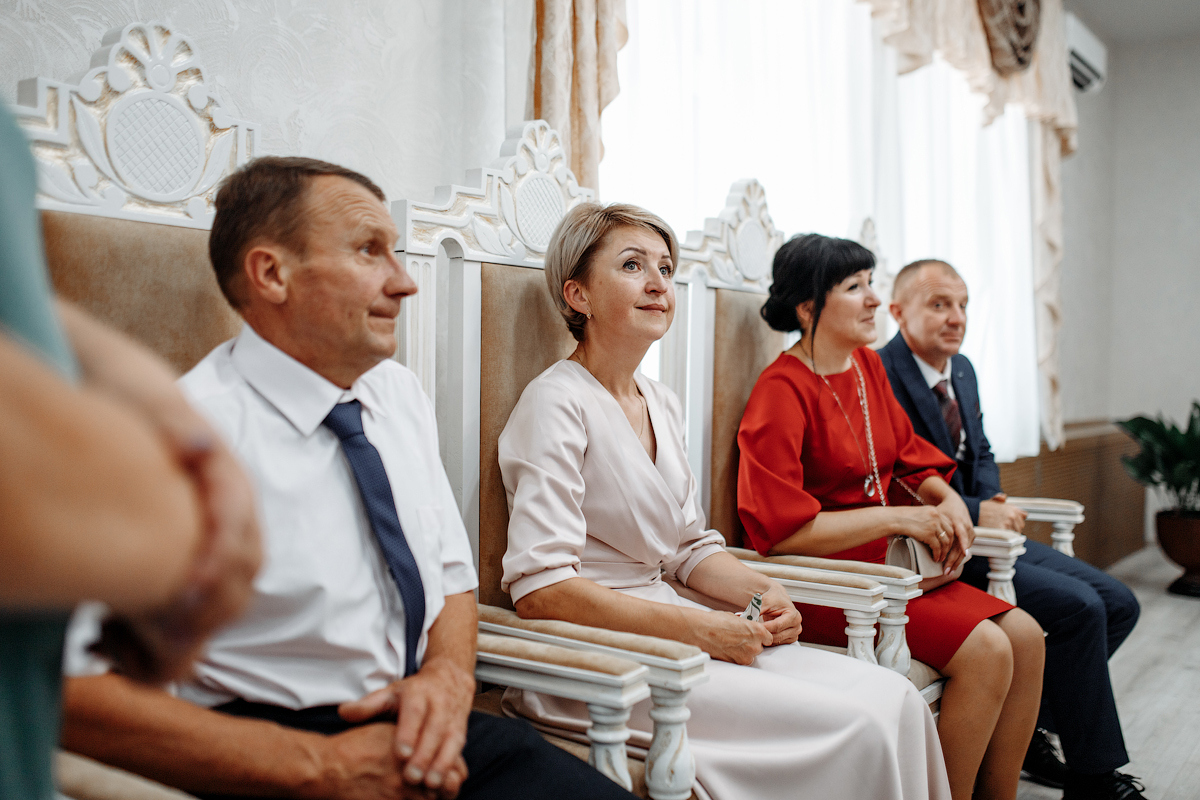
column 345, row 420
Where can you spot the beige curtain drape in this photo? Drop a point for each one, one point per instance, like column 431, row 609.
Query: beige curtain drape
column 575, row 75
column 919, row 28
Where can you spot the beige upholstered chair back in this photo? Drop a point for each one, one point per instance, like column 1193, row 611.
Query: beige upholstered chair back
column 720, row 344
column 129, row 160
column 151, row 281
column 743, row 346
column 482, row 324
column 523, row 334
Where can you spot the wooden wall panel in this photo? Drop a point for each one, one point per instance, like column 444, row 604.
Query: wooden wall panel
column 1087, row 469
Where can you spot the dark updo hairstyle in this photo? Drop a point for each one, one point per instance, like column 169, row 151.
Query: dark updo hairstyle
column 806, row 268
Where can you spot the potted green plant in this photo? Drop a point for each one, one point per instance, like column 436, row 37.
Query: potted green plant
column 1169, row 461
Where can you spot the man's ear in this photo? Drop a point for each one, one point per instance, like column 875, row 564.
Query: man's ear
column 266, row 274
column 576, row 296
column 896, row 311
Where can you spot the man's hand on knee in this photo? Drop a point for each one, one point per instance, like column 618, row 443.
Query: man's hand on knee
column 996, row 513
column 361, row 764
column 432, row 707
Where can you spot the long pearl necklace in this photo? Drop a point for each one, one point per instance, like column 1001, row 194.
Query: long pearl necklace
column 872, row 482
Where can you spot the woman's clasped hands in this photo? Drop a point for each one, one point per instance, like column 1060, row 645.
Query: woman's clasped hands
column 729, row 637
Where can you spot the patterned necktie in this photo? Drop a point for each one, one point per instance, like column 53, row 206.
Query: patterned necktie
column 950, row 413
column 345, row 420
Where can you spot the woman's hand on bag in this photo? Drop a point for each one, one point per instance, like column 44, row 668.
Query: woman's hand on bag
column 928, row 525
column 780, row 615
column 955, row 511
column 728, row 637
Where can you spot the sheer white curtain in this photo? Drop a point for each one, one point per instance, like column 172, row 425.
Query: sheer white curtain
column 714, row 91
column 964, row 197
column 802, row 95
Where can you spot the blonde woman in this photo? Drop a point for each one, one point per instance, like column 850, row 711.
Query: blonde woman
column 606, row 530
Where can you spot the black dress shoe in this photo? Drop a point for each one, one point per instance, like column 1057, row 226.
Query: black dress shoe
column 1042, row 764
column 1109, row 786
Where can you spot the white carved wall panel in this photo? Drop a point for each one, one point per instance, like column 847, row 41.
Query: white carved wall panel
column 141, row 136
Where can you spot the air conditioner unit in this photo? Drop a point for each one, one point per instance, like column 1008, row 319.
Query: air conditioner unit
column 1088, row 56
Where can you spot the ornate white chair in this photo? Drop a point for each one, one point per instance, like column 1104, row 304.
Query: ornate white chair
column 481, row 327
column 129, row 160
column 712, row 357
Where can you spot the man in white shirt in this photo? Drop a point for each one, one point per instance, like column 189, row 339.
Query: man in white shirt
column 352, row 674
column 1086, row 614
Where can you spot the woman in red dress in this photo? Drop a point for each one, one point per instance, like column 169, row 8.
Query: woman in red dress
column 830, row 466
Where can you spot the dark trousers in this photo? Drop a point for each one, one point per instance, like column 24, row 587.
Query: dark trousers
column 506, row 758
column 1086, row 614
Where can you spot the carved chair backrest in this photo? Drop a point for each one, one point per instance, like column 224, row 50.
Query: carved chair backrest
column 732, row 259
column 129, row 159
column 728, row 264
column 482, row 324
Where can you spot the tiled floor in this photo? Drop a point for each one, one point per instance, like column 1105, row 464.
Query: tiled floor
column 1156, row 677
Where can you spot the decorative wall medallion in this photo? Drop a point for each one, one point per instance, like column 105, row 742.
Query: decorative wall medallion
column 736, row 248
column 511, row 213
column 143, row 136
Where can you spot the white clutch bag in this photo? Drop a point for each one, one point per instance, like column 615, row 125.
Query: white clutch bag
column 907, row 553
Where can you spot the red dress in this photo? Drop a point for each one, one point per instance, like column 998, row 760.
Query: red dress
column 799, row 457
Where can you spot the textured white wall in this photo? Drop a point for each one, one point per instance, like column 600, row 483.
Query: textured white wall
column 1155, row 328
column 1087, row 270
column 410, row 92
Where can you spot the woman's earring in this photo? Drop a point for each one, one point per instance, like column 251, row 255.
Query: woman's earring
column 589, row 316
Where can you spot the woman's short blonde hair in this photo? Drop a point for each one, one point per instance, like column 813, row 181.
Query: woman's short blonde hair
column 579, row 234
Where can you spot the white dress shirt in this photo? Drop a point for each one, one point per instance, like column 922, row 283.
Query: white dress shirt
column 933, row 377
column 326, row 624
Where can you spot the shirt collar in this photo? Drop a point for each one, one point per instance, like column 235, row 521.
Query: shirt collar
column 302, row 396
column 931, row 375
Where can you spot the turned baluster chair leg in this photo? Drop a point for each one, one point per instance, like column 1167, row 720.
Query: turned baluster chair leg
column 860, row 633
column 608, row 735
column 1000, row 578
column 670, row 767
column 892, row 651
column 1064, row 538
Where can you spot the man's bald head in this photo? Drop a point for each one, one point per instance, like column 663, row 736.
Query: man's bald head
column 912, row 272
column 929, row 301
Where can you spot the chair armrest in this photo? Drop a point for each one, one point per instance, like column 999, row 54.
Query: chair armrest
column 1001, row 549
column 81, row 778
column 992, row 542
column 824, row 587
column 610, row 687
column 671, row 670
column 898, row 583
column 590, row 677
column 1047, row 509
column 672, row 665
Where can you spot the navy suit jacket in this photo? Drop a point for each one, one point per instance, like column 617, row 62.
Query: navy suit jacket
column 977, row 477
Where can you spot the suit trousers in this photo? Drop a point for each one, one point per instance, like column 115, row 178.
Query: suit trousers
column 1086, row 614
column 506, row 758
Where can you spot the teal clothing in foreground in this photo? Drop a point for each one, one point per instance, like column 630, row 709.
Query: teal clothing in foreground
column 31, row 645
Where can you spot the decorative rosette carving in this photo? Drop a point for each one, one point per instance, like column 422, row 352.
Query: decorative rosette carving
column 142, row 136
column 514, row 207
column 737, row 247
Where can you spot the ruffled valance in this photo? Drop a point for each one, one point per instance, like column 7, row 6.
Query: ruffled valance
column 955, row 29
column 1012, row 28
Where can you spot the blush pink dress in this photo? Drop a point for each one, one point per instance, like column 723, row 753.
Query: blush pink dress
column 586, row 501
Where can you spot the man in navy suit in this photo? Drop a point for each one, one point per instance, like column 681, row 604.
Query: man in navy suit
column 1085, row 613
